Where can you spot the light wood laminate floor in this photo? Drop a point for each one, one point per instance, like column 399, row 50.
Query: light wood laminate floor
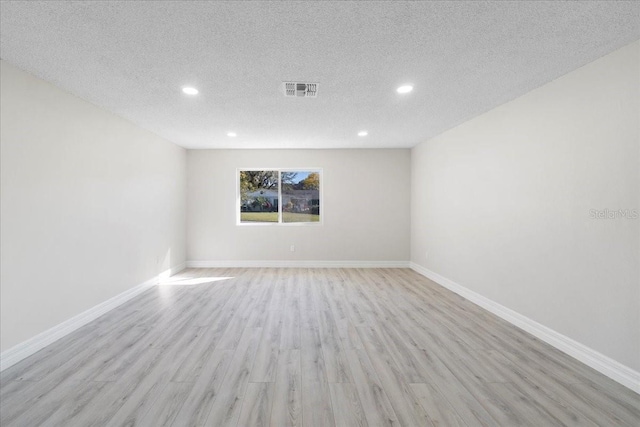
column 306, row 347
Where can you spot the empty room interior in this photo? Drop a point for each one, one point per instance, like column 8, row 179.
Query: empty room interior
column 320, row 213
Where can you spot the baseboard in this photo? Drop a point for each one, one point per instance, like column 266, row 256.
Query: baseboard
column 590, row 357
column 25, row 349
column 298, row 264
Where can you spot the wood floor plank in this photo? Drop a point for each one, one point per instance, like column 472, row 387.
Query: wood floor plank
column 165, row 407
column 266, row 360
column 279, row 295
column 395, row 344
column 161, row 336
column 346, row 405
column 572, row 404
column 465, row 404
column 256, row 405
column 64, row 409
column 488, row 397
column 337, row 367
column 306, row 347
column 64, row 395
column 317, row 410
column 214, row 301
column 287, row 398
column 141, row 400
column 98, row 410
column 375, row 403
column 316, row 397
column 236, row 326
column 555, row 397
column 311, row 356
column 225, row 409
column 87, row 361
column 191, row 366
column 356, row 309
column 436, row 405
column 526, row 410
column 348, row 334
column 74, row 371
column 152, row 385
column 619, row 410
column 404, row 402
column 198, row 403
column 290, row 336
column 548, row 400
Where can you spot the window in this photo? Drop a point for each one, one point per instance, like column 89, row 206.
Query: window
column 279, row 196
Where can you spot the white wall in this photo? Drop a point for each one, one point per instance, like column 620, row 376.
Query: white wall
column 91, row 205
column 366, row 207
column 502, row 205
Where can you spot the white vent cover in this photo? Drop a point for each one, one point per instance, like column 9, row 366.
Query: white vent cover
column 309, row 90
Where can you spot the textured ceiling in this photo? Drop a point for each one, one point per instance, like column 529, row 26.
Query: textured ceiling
column 464, row 58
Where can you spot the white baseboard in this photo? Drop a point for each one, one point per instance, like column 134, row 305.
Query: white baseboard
column 25, row 349
column 298, row 264
column 590, row 357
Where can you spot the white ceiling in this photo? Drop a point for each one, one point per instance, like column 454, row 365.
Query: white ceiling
column 464, row 58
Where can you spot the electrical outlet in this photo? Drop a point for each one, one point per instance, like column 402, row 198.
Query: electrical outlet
column 426, row 255
column 292, row 248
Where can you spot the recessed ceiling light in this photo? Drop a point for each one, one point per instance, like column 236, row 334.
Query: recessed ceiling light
column 190, row 90
column 363, row 133
column 405, row 89
column 232, row 134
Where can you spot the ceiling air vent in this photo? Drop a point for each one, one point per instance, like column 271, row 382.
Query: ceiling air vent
column 309, row 90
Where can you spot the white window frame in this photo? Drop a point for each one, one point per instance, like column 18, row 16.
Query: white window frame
column 280, row 222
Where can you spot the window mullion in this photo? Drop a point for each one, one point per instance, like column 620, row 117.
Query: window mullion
column 279, row 197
